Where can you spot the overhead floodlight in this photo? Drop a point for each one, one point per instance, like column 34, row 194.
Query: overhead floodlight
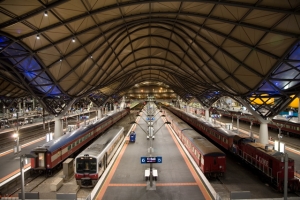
column 46, row 13
column 73, row 40
column 38, row 36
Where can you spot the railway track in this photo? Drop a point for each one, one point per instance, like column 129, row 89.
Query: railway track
column 245, row 127
column 28, row 134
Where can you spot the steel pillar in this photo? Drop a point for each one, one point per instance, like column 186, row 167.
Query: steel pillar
column 57, row 127
column 263, row 133
column 206, row 114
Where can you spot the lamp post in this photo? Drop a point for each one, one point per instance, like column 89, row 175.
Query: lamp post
column 17, row 137
column 279, row 126
column 22, row 159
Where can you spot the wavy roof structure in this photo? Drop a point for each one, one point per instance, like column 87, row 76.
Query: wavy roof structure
column 61, row 50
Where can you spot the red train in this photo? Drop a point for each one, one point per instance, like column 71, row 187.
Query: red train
column 51, row 154
column 268, row 162
column 210, row 159
column 288, row 127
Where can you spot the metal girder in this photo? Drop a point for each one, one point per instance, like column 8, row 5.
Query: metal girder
column 98, row 98
column 56, row 105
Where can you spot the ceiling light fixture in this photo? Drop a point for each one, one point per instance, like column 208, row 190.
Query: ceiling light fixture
column 73, row 40
column 46, row 13
column 38, row 36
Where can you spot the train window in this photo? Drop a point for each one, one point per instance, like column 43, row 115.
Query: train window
column 287, row 126
column 69, row 147
column 86, row 165
column 41, row 160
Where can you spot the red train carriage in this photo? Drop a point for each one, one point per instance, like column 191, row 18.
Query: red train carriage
column 53, row 153
column 268, row 161
column 210, row 159
column 215, row 132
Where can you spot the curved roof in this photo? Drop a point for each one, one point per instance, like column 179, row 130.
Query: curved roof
column 200, row 49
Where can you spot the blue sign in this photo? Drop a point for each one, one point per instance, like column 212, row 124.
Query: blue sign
column 143, row 160
column 152, row 159
column 150, row 118
column 158, row 159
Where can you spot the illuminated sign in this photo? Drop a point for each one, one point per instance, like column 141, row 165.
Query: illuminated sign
column 152, row 159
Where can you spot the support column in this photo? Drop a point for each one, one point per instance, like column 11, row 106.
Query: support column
column 24, row 106
column 20, row 107
column 238, row 124
column 3, row 110
column 206, row 114
column 43, row 118
column 263, row 133
column 33, row 104
column 100, row 113
column 62, row 126
column 57, row 127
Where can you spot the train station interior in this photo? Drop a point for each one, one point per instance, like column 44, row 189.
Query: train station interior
column 71, row 70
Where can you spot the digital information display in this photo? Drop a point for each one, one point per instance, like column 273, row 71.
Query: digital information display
column 157, row 159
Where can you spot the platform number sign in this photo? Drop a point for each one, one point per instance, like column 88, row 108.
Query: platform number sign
column 151, row 159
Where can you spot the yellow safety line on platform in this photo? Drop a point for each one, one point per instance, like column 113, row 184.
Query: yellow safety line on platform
column 112, row 172
column 13, row 173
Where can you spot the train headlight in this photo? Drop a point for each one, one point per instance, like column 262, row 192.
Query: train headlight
column 220, row 167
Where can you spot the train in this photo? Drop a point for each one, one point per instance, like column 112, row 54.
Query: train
column 50, row 155
column 288, row 127
column 268, row 162
column 210, row 159
column 90, row 164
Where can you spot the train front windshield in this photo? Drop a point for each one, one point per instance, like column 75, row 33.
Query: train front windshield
column 86, row 165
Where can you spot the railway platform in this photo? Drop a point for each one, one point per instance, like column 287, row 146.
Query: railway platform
column 175, row 178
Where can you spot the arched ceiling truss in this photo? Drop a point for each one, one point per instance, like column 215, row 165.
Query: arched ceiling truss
column 102, row 49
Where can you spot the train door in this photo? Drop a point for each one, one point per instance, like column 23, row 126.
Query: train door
column 105, row 161
column 270, row 167
column 40, row 161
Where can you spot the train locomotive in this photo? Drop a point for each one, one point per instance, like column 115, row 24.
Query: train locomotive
column 51, row 154
column 268, row 162
column 210, row 159
column 91, row 162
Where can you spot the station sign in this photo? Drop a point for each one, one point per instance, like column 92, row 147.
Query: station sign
column 152, row 159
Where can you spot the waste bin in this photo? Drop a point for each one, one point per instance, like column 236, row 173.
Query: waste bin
column 132, row 136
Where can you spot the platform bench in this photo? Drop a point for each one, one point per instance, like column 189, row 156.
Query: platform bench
column 56, row 184
column 147, row 174
column 155, row 174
